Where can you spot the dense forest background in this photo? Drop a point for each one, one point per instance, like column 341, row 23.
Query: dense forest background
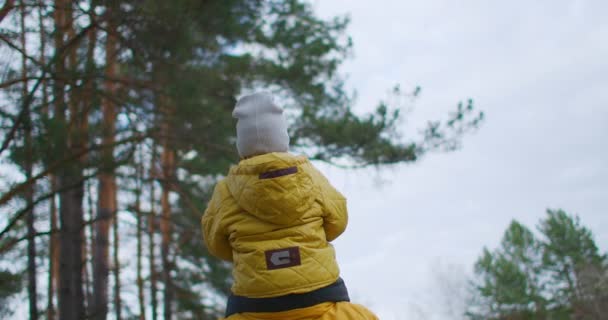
column 116, row 122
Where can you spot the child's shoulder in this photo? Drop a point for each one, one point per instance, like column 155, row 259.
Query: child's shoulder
column 221, row 189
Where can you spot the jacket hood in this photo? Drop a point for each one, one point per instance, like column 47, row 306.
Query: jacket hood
column 274, row 187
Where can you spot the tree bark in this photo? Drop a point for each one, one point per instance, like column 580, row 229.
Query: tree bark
column 139, row 220
column 165, row 228
column 167, row 163
column 28, row 166
column 45, row 96
column 107, row 189
column 53, row 273
column 85, row 271
column 6, row 8
column 85, row 106
column 117, row 301
column 151, row 233
column 71, row 298
column 70, row 182
column 53, row 255
column 88, row 263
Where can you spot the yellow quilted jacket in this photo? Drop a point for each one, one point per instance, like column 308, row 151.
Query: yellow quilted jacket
column 273, row 216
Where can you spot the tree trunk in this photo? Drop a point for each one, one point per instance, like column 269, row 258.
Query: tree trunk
column 165, row 228
column 151, row 233
column 139, row 220
column 105, row 211
column 53, row 274
column 71, row 298
column 70, row 181
column 167, row 163
column 84, row 103
column 107, row 189
column 29, row 193
column 88, row 95
column 31, row 231
column 88, row 263
column 45, row 97
column 117, row 301
column 53, row 255
column 5, row 9
column 85, row 270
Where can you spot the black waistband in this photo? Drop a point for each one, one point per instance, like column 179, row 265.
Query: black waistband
column 335, row 292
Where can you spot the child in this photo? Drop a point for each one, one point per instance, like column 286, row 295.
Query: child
column 274, row 217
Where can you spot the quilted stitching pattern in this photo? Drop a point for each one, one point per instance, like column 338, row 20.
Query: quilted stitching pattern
column 255, row 215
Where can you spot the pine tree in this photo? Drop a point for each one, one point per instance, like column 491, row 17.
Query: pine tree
column 561, row 275
column 107, row 182
column 508, row 278
column 576, row 271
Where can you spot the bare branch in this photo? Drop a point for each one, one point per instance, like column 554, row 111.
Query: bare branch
column 65, row 161
column 8, row 6
column 23, row 211
column 11, row 243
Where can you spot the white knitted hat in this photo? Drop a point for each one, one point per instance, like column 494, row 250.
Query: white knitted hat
column 261, row 127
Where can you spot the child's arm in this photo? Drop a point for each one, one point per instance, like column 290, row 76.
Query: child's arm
column 214, row 233
column 335, row 216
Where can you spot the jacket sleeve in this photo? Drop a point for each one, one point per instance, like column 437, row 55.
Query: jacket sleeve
column 335, row 216
column 214, row 232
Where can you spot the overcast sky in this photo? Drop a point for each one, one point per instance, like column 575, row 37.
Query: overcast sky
column 539, row 70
